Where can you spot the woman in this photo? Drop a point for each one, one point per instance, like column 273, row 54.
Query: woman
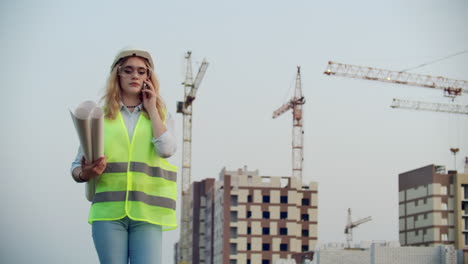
column 136, row 193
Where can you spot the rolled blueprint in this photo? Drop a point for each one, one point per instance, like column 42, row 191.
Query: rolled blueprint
column 97, row 146
column 97, row 132
column 89, row 124
column 83, row 127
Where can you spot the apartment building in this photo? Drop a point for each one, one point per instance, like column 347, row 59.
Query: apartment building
column 433, row 207
column 426, row 207
column 245, row 218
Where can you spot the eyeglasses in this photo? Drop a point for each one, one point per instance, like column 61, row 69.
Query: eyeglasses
column 129, row 71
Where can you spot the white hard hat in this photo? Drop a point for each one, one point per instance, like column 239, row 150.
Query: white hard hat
column 131, row 51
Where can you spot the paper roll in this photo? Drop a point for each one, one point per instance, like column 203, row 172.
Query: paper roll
column 89, row 124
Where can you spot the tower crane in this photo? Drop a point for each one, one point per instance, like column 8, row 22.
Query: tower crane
column 185, row 108
column 298, row 132
column 351, row 225
column 451, row 87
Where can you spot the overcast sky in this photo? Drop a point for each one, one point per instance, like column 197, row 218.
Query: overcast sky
column 57, row 54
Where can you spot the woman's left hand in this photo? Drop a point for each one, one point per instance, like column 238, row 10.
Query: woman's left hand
column 149, row 97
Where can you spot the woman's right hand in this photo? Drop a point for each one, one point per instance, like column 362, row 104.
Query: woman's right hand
column 89, row 171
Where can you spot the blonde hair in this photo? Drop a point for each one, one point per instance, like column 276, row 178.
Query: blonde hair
column 112, row 96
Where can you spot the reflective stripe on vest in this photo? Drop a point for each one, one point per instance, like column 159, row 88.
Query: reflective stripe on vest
column 141, row 167
column 134, row 196
column 136, row 182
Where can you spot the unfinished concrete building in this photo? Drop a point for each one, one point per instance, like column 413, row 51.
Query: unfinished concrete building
column 244, row 218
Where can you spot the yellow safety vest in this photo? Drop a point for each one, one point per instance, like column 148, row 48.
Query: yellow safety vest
column 137, row 182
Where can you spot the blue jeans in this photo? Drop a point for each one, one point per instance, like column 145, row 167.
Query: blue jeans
column 122, row 240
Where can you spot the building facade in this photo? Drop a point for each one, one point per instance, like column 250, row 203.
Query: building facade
column 426, row 207
column 244, row 218
column 433, row 207
column 201, row 222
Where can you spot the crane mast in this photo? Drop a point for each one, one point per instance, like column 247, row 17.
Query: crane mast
column 296, row 104
column 185, row 108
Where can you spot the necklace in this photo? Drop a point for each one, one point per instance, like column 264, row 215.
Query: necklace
column 132, row 106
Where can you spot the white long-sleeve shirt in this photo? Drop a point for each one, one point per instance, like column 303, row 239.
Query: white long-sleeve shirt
column 165, row 144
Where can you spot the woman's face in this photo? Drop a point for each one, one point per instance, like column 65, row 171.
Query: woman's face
column 132, row 74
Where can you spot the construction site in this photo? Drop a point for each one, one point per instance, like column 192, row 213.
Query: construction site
column 317, row 132
column 243, row 217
